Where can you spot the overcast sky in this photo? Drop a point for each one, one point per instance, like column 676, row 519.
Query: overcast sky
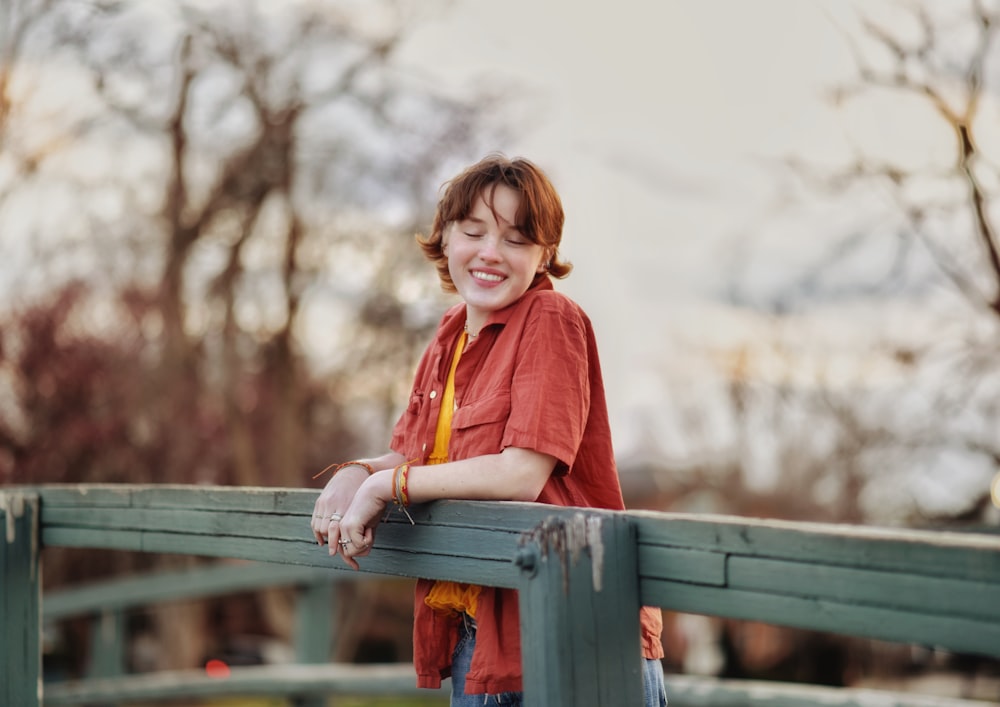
column 656, row 120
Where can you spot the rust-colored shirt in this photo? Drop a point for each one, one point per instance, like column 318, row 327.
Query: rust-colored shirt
column 530, row 379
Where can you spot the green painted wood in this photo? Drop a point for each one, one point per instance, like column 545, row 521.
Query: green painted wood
column 691, row 691
column 107, row 645
column 903, row 590
column 857, row 581
column 405, row 563
column 20, row 622
column 256, row 499
column 134, row 527
column 579, row 608
column 696, row 566
column 314, row 619
column 950, row 632
column 708, row 540
column 257, row 681
column 932, row 553
column 128, row 592
column 437, row 539
column 277, row 681
column 514, row 517
column 313, row 633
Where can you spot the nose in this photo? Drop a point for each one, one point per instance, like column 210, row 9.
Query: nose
column 489, row 249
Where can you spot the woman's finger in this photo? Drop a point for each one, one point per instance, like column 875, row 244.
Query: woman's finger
column 317, row 526
column 332, row 527
column 347, row 551
column 321, row 525
column 368, row 540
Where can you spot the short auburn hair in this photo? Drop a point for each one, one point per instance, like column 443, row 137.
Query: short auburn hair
column 539, row 216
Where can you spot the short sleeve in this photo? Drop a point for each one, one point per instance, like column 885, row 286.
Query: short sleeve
column 550, row 387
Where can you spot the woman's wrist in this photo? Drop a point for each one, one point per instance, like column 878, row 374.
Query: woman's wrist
column 335, row 469
column 381, row 485
column 354, row 474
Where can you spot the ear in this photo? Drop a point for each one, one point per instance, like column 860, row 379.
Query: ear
column 545, row 262
column 444, row 239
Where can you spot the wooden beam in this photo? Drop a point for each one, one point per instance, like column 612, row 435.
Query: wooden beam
column 697, row 691
column 159, row 587
column 923, row 587
column 263, row 680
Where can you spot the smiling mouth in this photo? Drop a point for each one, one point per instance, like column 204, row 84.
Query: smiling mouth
column 486, row 277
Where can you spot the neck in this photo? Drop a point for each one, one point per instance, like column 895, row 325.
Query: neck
column 474, row 322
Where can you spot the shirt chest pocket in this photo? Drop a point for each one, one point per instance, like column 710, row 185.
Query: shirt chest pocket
column 416, row 403
column 478, row 427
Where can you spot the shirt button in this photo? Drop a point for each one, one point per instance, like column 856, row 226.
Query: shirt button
column 434, row 394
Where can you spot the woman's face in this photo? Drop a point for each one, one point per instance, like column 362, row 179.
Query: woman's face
column 490, row 261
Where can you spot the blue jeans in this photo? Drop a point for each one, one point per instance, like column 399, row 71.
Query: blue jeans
column 653, row 687
column 652, row 677
column 461, row 659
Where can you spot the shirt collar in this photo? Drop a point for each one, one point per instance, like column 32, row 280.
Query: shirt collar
column 454, row 321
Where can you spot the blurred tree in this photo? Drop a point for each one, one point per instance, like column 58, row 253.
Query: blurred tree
column 939, row 199
column 256, row 176
column 900, row 428
column 207, row 212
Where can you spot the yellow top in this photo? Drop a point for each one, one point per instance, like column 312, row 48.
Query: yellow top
column 448, row 596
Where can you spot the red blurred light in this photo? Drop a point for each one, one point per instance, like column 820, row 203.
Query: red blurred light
column 216, row 669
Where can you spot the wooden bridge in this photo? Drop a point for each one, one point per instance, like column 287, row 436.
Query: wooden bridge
column 582, row 575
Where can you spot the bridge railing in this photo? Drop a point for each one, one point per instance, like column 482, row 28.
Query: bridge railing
column 582, row 574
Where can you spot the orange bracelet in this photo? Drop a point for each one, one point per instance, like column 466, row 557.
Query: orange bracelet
column 364, row 465
column 399, row 491
column 404, row 474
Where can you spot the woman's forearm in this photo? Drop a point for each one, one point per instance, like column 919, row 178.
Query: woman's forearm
column 515, row 474
column 389, row 460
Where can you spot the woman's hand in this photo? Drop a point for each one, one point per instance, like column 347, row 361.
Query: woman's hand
column 357, row 527
column 333, row 503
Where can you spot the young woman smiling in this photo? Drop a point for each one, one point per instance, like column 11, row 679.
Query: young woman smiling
column 507, row 403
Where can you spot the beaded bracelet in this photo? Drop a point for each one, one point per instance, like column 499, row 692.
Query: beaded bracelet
column 364, row 465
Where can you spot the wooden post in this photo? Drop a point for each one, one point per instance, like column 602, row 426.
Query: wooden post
column 107, row 644
column 313, row 632
column 314, row 617
column 579, row 606
column 20, row 601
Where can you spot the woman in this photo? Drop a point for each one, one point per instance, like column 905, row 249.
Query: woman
column 507, row 404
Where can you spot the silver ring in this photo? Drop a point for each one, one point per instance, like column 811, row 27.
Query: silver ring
column 344, row 543
column 335, row 516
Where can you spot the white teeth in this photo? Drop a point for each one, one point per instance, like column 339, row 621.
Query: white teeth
column 489, row 277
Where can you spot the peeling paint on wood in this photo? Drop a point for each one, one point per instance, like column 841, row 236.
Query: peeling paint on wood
column 12, row 505
column 566, row 539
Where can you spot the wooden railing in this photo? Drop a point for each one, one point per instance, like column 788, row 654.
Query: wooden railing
column 307, row 680
column 581, row 575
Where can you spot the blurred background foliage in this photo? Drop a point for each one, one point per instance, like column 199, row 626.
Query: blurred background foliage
column 215, row 192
